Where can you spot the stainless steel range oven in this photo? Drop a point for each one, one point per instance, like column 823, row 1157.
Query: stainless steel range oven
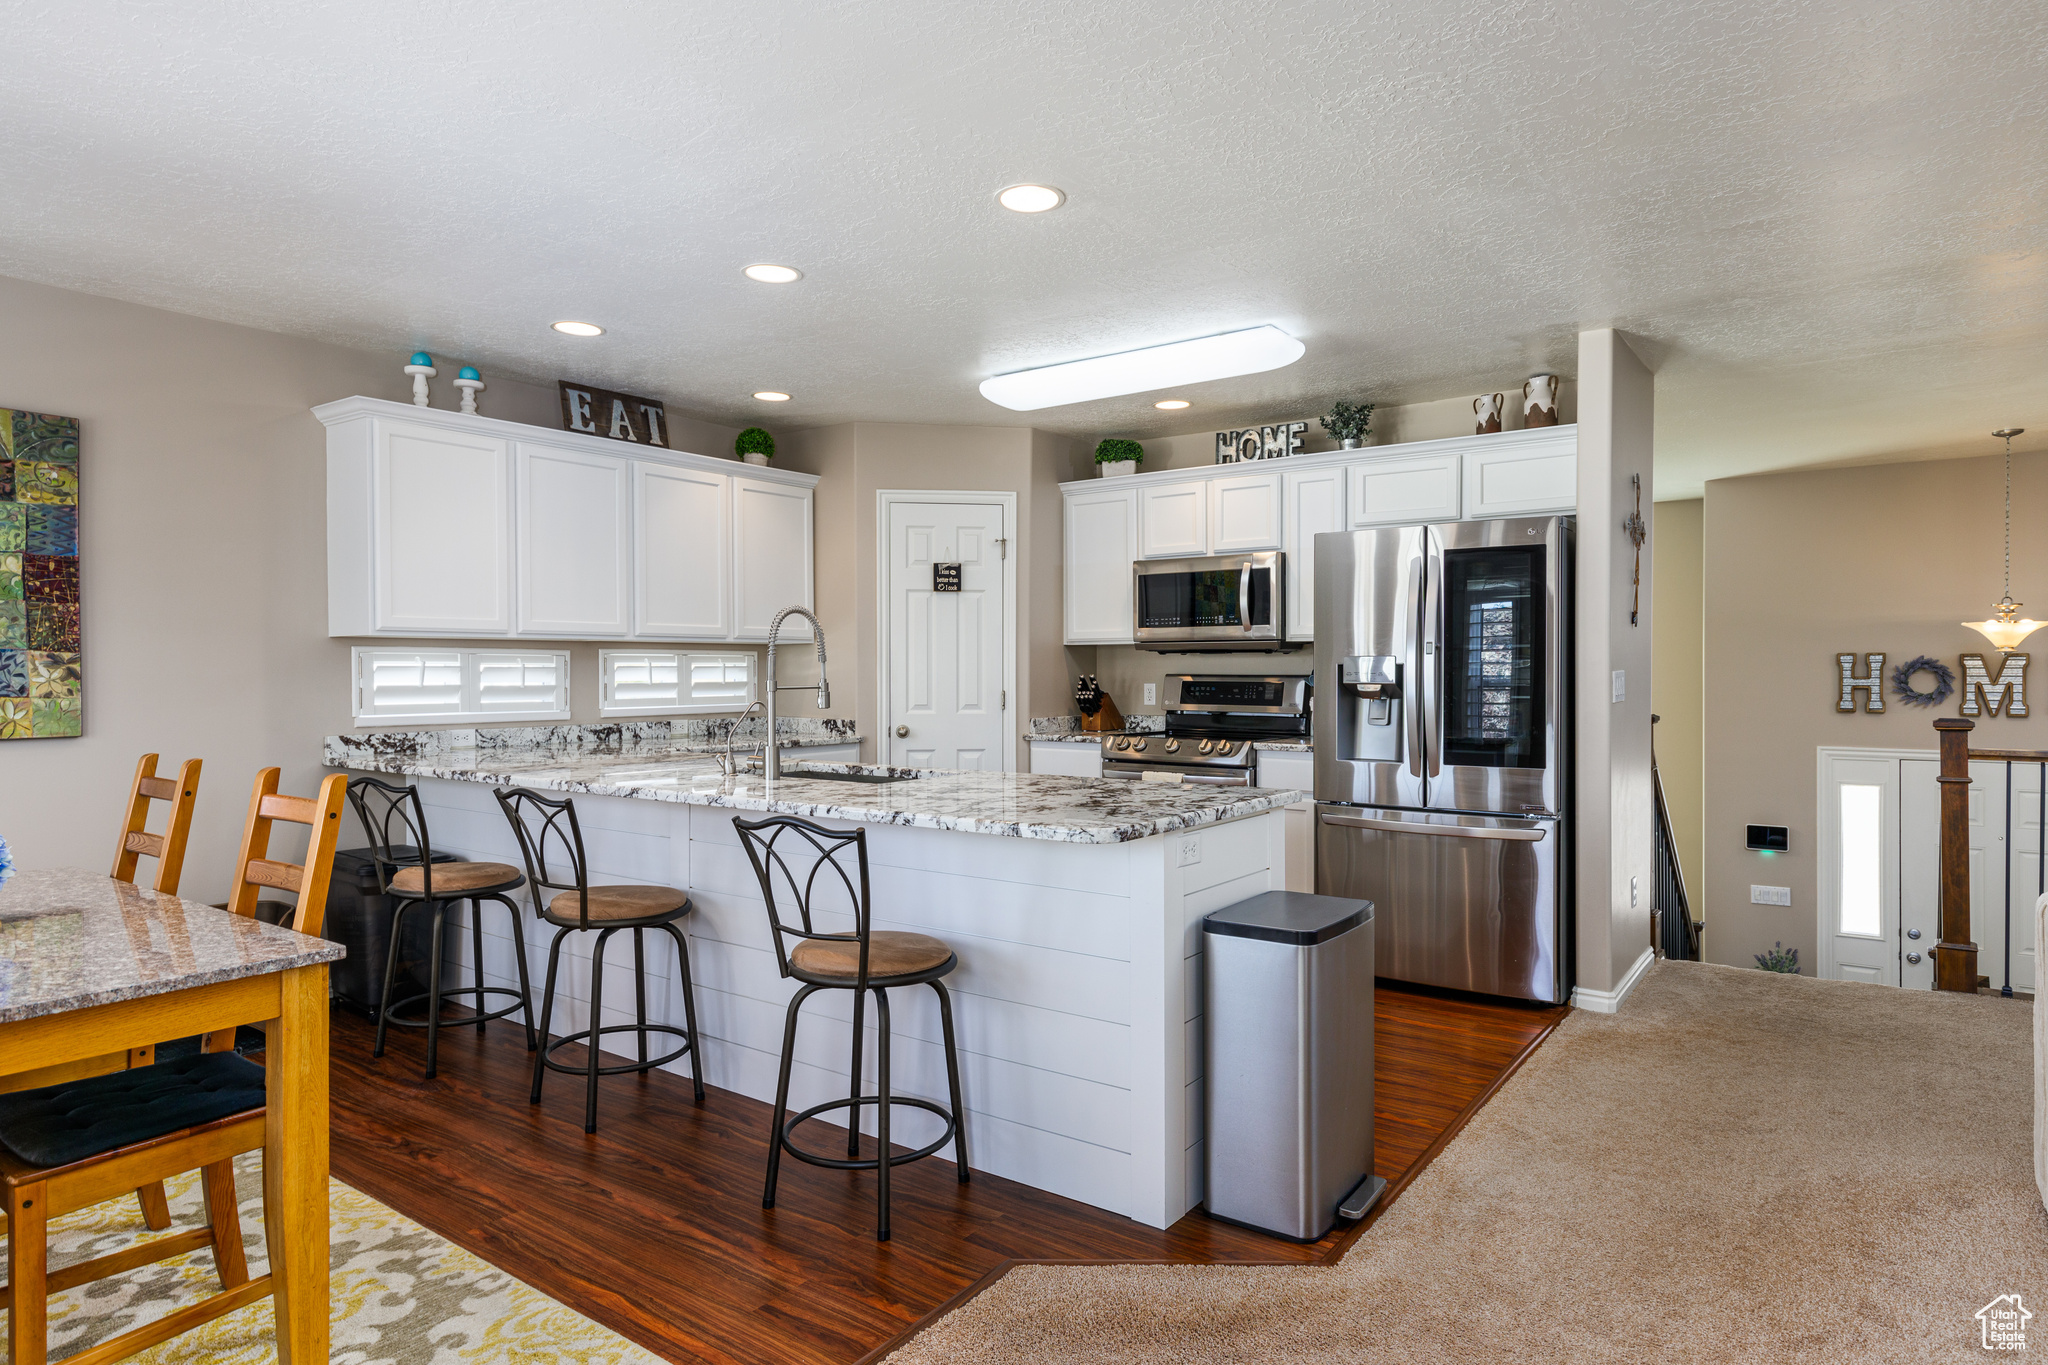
column 1214, row 723
column 1211, row 605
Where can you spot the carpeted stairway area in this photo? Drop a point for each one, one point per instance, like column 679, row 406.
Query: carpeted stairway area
column 1739, row 1166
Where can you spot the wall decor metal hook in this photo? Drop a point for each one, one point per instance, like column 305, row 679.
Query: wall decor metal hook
column 1637, row 533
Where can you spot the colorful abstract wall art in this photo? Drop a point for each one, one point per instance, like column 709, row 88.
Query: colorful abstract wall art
column 40, row 677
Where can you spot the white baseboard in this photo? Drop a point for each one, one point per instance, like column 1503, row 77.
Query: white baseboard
column 1607, row 1002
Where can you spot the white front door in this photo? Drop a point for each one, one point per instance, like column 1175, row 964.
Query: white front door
column 946, row 697
column 1880, row 883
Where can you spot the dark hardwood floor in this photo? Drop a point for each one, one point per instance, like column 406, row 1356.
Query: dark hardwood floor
column 654, row 1226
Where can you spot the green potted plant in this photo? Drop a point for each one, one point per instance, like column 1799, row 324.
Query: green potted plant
column 755, row 446
column 1348, row 423
column 1116, row 456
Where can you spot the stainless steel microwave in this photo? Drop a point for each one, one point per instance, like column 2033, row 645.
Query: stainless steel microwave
column 1213, row 604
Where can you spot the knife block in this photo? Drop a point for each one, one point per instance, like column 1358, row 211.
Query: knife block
column 1106, row 717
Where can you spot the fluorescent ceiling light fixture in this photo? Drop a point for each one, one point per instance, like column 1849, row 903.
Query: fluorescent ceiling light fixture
column 771, row 396
column 1251, row 351
column 774, row 274
column 1030, row 198
column 1171, row 404
column 579, row 329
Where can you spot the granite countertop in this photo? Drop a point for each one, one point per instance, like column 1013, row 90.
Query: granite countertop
column 71, row 939
column 649, row 739
column 1065, row 730
column 1074, row 810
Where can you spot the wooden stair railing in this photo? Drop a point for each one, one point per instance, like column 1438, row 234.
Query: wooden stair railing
column 1955, row 957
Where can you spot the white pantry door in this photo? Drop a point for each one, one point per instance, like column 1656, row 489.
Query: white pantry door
column 946, row 703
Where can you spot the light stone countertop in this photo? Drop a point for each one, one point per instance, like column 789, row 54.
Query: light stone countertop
column 71, row 939
column 1074, row 810
column 1060, row 730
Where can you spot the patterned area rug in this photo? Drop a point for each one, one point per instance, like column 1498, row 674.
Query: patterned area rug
column 402, row 1296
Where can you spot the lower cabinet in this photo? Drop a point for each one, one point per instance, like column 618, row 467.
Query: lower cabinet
column 1287, row 768
column 1066, row 760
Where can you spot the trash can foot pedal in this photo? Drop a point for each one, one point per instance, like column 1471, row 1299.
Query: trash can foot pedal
column 1362, row 1197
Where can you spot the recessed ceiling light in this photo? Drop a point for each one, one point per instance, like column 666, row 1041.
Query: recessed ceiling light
column 1171, row 404
column 774, row 274
column 1250, row 351
column 1030, row 198
column 771, row 396
column 579, row 329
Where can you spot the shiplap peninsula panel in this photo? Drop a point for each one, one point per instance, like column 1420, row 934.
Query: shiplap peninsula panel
column 447, row 525
column 1077, row 1002
column 1221, row 508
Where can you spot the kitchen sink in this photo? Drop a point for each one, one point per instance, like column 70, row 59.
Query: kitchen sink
column 874, row 779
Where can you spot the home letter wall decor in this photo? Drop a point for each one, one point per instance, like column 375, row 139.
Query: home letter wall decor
column 39, row 632
column 2008, row 689
column 1873, row 686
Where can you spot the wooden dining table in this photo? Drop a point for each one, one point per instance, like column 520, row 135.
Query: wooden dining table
column 90, row 966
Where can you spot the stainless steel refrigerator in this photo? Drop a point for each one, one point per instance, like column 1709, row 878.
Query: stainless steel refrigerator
column 1443, row 747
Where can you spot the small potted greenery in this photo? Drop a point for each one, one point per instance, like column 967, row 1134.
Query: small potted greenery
column 755, row 446
column 1115, row 456
column 1348, row 423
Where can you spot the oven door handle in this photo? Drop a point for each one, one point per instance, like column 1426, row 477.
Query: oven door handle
column 1244, row 596
column 1524, row 834
column 1239, row 778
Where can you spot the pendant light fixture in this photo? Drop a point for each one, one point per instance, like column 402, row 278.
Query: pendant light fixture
column 2006, row 628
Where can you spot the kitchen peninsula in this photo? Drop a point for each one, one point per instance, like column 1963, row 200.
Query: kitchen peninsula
column 1074, row 906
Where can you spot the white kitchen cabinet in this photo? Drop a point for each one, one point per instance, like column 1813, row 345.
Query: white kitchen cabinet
column 1314, row 504
column 1287, row 768
column 1101, row 542
column 1173, row 520
column 1400, row 492
column 771, row 553
column 439, row 533
column 1244, row 513
column 1521, row 482
column 1066, row 760
column 682, row 553
column 442, row 524
column 573, row 547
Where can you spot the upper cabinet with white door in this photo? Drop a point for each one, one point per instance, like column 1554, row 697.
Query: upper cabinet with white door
column 1234, row 508
column 440, row 524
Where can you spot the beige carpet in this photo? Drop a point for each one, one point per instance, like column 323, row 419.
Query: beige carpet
column 1739, row 1166
column 400, row 1294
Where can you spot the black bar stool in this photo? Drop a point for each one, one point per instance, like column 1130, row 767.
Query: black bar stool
column 862, row 961
column 577, row 906
column 408, row 874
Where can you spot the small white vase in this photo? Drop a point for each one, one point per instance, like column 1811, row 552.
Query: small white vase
column 1110, row 469
column 754, row 457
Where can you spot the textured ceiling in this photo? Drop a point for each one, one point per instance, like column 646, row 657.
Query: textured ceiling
column 1825, row 223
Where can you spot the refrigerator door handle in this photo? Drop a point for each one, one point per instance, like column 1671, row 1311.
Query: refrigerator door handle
column 1441, row 831
column 1428, row 727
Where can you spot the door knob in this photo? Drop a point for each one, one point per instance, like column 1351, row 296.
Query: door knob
column 1913, row 958
column 903, row 732
column 1912, row 933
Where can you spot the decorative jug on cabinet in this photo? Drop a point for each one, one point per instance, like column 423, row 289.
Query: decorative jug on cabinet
column 1539, row 401
column 1486, row 410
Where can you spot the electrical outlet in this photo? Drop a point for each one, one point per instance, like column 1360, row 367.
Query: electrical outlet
column 1621, row 684
column 1151, row 694
column 1770, row 895
column 1190, row 850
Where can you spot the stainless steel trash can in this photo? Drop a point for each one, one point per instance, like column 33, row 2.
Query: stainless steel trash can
column 1289, row 1073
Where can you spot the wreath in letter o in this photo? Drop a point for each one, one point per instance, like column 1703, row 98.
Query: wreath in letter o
column 1902, row 682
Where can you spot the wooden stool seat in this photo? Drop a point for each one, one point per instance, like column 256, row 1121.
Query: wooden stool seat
column 455, row 879
column 892, row 954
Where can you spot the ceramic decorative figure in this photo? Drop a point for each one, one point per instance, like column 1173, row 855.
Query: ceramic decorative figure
column 471, row 383
column 1539, row 401
column 1486, row 411
column 755, row 446
column 421, row 368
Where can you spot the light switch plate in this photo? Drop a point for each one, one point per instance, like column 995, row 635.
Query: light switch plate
column 1621, row 684
column 1151, row 694
column 1190, row 850
column 1770, row 895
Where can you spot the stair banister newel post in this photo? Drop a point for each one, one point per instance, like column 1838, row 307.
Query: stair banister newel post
column 1955, row 957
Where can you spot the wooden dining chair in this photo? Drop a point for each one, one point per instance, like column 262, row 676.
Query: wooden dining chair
column 66, row 1147
column 167, row 848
